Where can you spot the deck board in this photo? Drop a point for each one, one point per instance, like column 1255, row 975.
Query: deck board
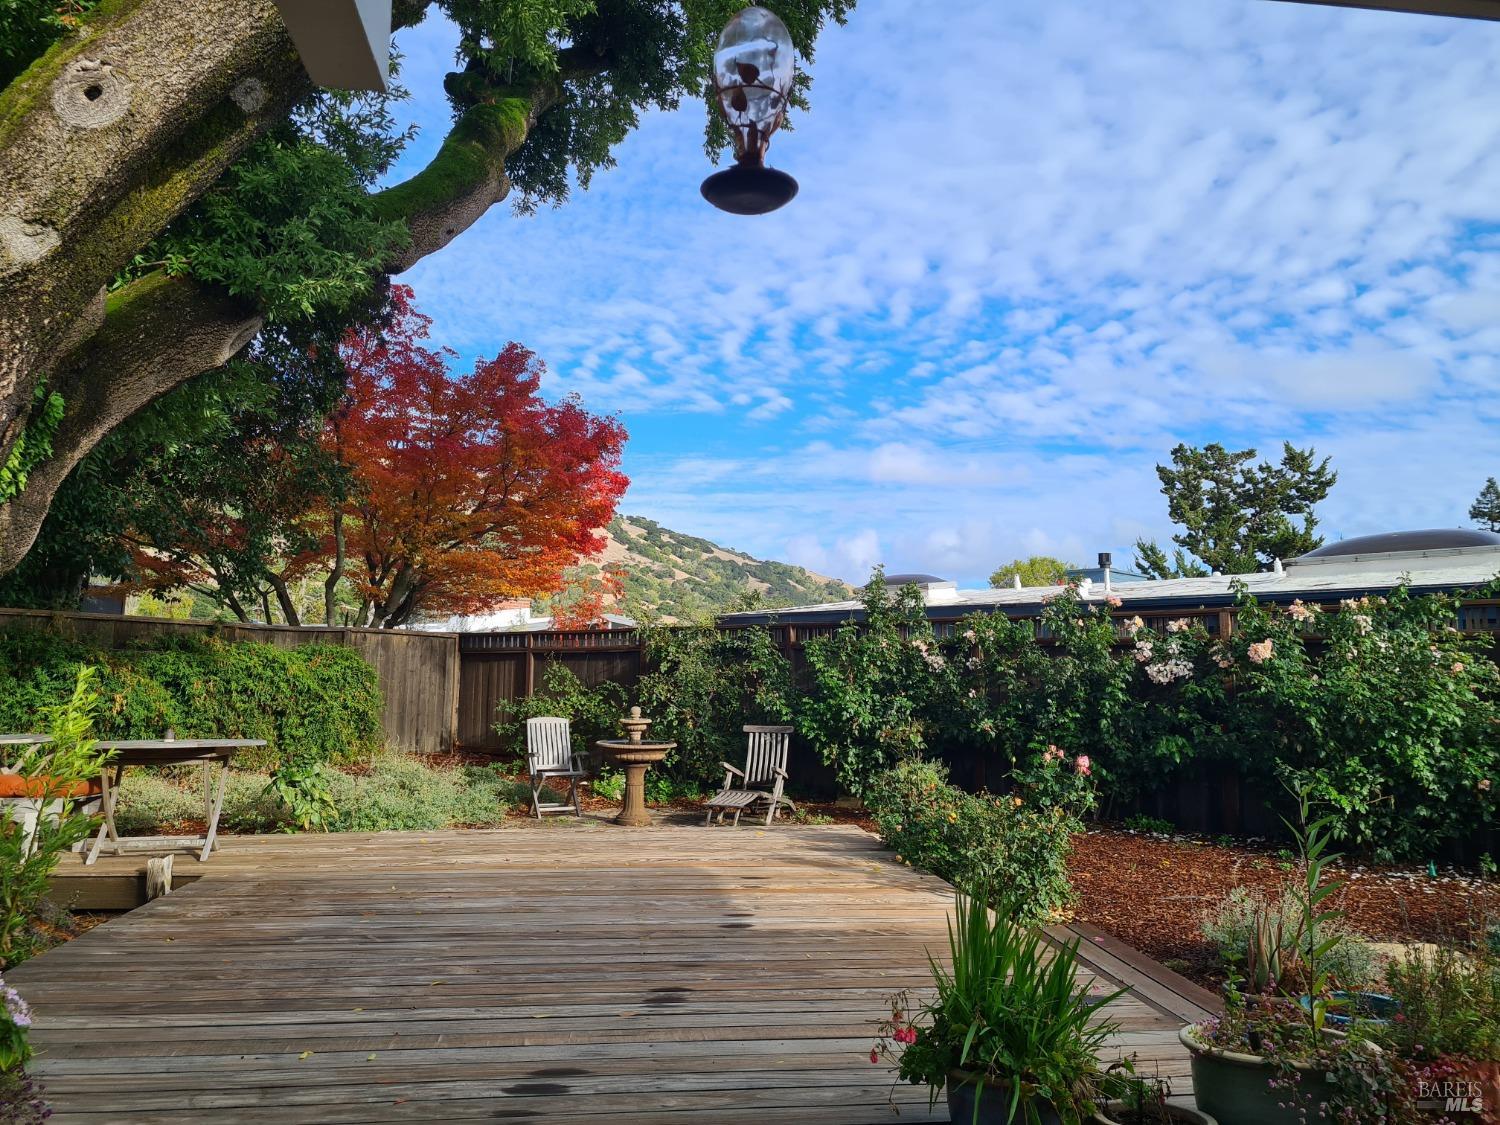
column 579, row 973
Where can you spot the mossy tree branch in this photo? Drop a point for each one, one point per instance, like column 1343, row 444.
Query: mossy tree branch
column 107, row 138
column 158, row 332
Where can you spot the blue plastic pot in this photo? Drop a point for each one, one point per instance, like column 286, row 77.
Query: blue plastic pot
column 1374, row 1008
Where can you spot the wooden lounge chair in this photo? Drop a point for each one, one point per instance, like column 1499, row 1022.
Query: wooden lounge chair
column 761, row 779
column 549, row 756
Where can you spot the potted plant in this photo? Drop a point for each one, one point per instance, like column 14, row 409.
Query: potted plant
column 1011, row 1035
column 1270, row 1059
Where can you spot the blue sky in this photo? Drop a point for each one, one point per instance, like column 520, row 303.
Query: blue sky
column 1037, row 244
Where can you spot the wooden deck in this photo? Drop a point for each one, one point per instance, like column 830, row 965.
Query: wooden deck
column 576, row 972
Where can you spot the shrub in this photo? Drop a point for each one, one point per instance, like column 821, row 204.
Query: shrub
column 151, row 799
column 705, row 687
column 403, row 793
column 874, row 686
column 27, row 858
column 593, row 713
column 1450, row 1005
column 317, row 703
column 394, row 792
column 1234, row 925
column 974, row 841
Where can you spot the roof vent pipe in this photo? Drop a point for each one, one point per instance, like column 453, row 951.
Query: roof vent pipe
column 1105, row 561
column 1276, row 567
column 1015, row 581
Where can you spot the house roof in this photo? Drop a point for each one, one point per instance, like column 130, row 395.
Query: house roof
column 1323, row 579
column 1469, row 9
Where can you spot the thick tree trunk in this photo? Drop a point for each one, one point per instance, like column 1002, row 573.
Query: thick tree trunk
column 284, row 600
column 106, row 139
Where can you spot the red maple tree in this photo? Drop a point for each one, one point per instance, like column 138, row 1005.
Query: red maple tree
column 470, row 487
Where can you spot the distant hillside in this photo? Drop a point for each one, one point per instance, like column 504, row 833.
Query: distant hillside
column 675, row 578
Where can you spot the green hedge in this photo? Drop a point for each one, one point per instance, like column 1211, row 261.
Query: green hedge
column 974, row 841
column 318, row 702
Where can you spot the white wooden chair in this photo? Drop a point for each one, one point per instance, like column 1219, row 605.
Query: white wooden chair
column 549, row 756
column 761, row 779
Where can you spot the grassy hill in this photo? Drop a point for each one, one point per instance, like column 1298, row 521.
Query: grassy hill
column 672, row 577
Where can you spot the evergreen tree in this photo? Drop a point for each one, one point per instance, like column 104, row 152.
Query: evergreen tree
column 1236, row 517
column 1485, row 511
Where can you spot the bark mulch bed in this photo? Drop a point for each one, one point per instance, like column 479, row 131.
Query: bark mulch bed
column 1152, row 892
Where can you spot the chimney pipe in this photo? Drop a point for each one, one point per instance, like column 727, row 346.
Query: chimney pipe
column 1105, row 559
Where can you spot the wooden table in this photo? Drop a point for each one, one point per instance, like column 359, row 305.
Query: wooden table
column 169, row 752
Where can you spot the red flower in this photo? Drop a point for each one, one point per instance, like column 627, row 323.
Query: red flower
column 874, row 1055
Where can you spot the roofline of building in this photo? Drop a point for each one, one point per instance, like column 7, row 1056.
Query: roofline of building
column 1163, row 603
column 1464, row 9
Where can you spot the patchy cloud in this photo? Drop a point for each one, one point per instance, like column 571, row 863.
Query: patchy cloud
column 1036, row 246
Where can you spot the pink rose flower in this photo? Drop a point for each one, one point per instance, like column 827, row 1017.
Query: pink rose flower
column 1081, row 765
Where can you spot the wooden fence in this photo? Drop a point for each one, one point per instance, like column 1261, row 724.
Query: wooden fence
column 419, row 672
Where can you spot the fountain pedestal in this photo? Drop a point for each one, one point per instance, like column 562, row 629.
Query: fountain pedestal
column 635, row 756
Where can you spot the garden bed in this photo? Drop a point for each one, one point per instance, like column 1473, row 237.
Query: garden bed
column 1152, row 893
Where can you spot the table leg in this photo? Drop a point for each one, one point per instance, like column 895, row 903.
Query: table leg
column 215, row 806
column 108, row 794
column 635, row 813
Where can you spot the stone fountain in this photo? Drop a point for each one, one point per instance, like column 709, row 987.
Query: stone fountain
column 635, row 756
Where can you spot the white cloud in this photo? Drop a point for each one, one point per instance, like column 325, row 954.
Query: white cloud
column 1036, row 246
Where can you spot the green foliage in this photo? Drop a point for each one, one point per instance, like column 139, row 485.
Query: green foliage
column 1012, row 1011
column 873, row 686
column 974, row 841
column 35, row 443
column 1151, row 825
column 57, row 769
column 156, row 799
column 1485, row 511
column 1357, row 1083
column 310, row 703
column 608, row 61
column 1379, row 708
column 1450, row 1005
column 705, row 687
column 1037, row 570
column 392, row 792
column 661, row 788
column 290, row 227
column 29, row 27
column 207, row 478
column 593, row 713
column 1237, row 517
column 303, row 787
column 403, row 793
column 1246, row 918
